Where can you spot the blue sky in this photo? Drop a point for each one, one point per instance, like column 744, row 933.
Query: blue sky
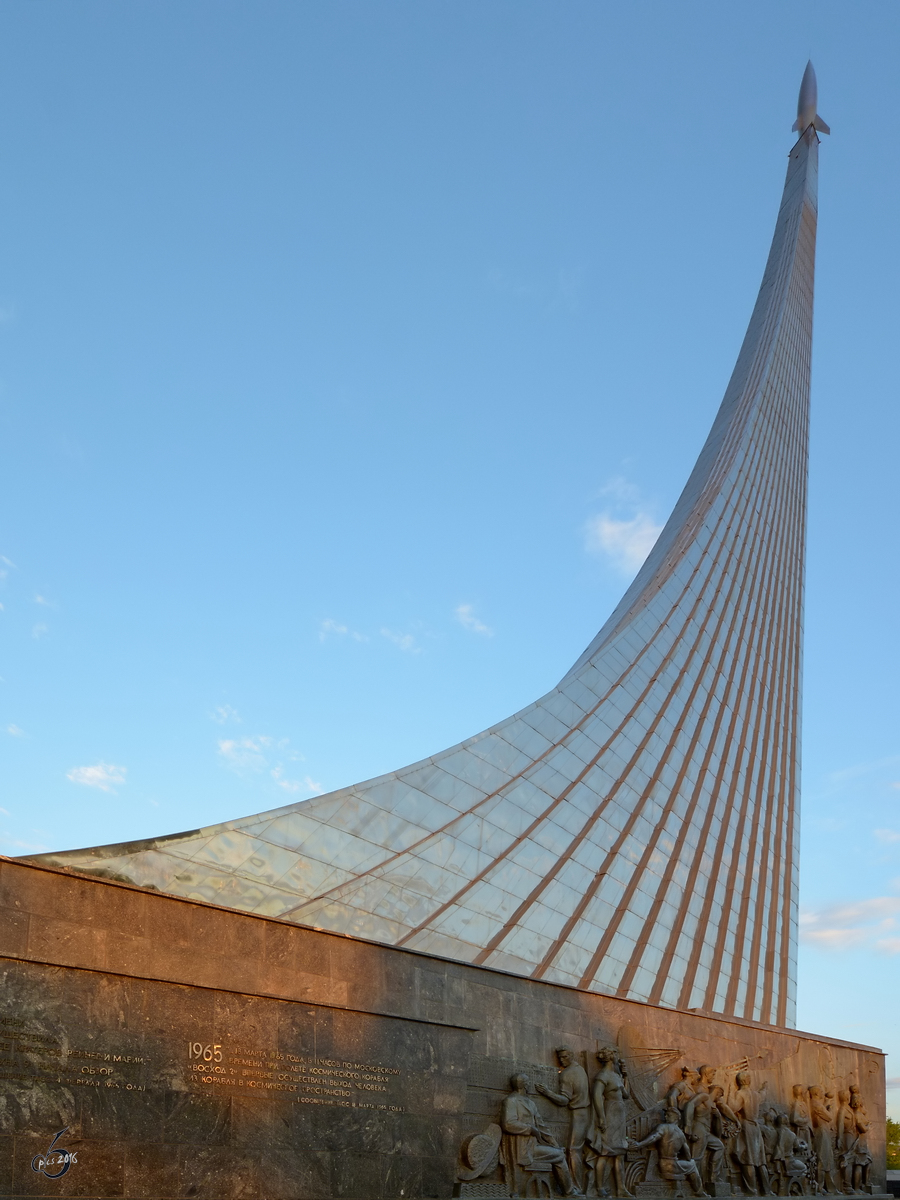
column 350, row 355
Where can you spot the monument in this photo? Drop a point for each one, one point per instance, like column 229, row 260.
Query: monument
column 556, row 959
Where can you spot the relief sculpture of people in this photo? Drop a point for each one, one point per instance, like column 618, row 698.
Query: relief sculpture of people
column 705, row 1131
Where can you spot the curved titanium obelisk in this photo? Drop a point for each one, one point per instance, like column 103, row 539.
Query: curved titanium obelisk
column 634, row 831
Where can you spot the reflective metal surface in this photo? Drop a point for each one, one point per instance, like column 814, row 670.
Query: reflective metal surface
column 635, row 830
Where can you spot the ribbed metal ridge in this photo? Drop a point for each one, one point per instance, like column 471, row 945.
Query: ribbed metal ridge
column 634, row 831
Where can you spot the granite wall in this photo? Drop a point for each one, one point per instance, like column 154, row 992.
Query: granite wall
column 190, row 1051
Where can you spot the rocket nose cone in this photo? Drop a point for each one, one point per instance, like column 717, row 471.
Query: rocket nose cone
column 808, row 98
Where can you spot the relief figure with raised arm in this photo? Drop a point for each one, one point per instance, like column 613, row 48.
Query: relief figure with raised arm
column 675, row 1162
column 749, row 1148
column 574, row 1095
column 707, row 1149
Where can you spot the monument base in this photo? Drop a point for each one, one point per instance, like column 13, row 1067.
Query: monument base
column 156, row 1048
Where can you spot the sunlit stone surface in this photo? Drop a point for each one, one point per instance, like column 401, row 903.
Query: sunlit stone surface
column 634, row 831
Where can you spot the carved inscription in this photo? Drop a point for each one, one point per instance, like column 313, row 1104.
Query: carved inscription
column 307, row 1079
column 28, row 1056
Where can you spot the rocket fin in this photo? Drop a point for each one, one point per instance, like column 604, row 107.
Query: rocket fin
column 801, row 125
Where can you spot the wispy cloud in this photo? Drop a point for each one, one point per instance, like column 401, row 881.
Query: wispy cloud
column 225, row 713
column 15, row 731
column 856, row 923
column 38, row 631
column 404, row 641
column 244, row 754
column 295, row 785
column 506, row 284
column 331, row 628
column 264, row 754
column 43, row 601
column 17, row 844
column 465, row 614
column 563, row 291
column 101, row 776
column 887, row 835
column 625, row 531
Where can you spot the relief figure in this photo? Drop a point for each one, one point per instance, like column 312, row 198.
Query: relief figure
column 528, row 1146
column 769, row 1130
column 845, row 1124
column 788, row 1158
column 683, row 1089
column 799, row 1114
column 675, row 1162
column 749, row 1146
column 608, row 1138
column 707, row 1150
column 574, row 1095
column 858, row 1156
column 823, row 1139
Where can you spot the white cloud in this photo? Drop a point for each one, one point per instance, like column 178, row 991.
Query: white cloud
column 336, row 629
column 44, row 601
column 8, row 562
column 887, row 835
column 893, row 1083
column 15, row 731
column 625, row 542
column 19, row 845
column 254, row 755
column 625, row 531
column 225, row 713
column 466, row 617
column 38, row 631
column 244, row 754
column 405, row 641
column 855, row 923
column 101, row 776
column 5, row 812
column 295, row 785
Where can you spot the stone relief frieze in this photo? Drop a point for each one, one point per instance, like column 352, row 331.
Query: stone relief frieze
column 625, row 1121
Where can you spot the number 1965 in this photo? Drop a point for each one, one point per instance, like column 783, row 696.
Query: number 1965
column 210, row 1053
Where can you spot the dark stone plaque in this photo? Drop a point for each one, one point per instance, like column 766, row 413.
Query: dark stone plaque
column 165, row 1090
